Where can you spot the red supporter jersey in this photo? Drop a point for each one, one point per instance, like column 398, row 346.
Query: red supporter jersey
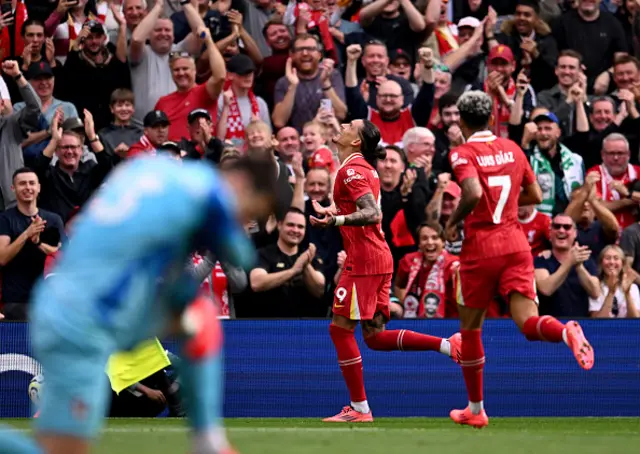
column 492, row 228
column 391, row 132
column 178, row 105
column 367, row 251
column 537, row 229
column 625, row 216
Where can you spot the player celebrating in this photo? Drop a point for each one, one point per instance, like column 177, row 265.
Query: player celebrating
column 363, row 290
column 496, row 257
column 122, row 278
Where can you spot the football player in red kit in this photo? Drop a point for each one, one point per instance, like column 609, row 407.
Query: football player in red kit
column 496, row 256
column 363, row 290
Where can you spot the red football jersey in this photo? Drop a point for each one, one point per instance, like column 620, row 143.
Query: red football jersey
column 367, row 251
column 537, row 229
column 492, row 228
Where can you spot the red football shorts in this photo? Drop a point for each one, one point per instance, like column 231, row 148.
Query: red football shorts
column 361, row 297
column 479, row 281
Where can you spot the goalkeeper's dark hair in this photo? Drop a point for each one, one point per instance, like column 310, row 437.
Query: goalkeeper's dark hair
column 259, row 172
column 370, row 148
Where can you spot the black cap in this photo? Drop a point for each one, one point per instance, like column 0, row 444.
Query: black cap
column 198, row 113
column 39, row 69
column 171, row 147
column 241, row 64
column 155, row 118
column 399, row 53
column 73, row 124
column 95, row 27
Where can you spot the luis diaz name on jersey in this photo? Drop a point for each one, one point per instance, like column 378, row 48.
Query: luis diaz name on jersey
column 502, row 157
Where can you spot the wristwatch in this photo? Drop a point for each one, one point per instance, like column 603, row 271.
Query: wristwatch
column 18, row 77
column 95, row 139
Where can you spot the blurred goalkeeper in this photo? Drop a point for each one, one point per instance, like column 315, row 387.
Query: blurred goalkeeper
column 122, row 279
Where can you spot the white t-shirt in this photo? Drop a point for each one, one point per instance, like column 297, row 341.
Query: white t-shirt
column 4, row 92
column 151, row 79
column 596, row 304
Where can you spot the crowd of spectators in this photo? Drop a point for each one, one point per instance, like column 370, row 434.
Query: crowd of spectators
column 88, row 84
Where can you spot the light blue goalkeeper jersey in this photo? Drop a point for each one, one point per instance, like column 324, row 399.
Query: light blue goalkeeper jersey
column 128, row 249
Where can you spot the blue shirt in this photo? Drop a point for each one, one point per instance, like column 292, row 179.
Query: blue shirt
column 595, row 237
column 570, row 299
column 125, row 264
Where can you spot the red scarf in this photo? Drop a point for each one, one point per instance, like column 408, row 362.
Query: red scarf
column 447, row 41
column 501, row 112
column 5, row 42
column 235, row 127
column 430, row 301
column 215, row 286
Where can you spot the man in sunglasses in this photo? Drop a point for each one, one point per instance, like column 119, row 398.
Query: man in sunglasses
column 567, row 279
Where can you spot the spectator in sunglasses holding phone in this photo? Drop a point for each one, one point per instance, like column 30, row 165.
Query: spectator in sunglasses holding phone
column 568, row 278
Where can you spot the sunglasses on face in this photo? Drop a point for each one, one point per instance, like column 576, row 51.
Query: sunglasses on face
column 558, row 226
column 174, row 55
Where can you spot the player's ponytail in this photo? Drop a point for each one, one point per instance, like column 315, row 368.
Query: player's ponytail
column 369, row 143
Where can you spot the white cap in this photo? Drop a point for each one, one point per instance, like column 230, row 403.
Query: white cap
column 468, row 22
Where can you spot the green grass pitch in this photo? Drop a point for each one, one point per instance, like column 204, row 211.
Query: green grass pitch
column 385, row 435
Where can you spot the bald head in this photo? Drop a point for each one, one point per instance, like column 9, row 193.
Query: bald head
column 389, row 98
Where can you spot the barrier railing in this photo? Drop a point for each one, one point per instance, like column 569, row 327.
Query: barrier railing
column 278, row 368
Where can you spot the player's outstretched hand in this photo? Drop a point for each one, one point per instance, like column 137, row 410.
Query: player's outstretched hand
column 323, row 211
column 327, row 221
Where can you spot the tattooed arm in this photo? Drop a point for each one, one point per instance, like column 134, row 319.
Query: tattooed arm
column 471, row 194
column 368, row 213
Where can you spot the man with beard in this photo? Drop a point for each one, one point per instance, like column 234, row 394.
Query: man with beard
column 448, row 135
column 558, row 170
column 425, row 279
column 287, row 277
column 390, row 117
column 94, row 69
column 278, row 37
column 306, row 82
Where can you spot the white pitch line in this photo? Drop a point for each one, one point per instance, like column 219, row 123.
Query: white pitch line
column 139, row 429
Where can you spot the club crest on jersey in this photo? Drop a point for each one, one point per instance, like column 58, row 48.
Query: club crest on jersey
column 375, row 174
column 502, row 157
column 350, row 172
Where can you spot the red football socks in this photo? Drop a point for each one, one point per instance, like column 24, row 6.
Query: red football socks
column 402, row 339
column 472, row 362
column 349, row 360
column 544, row 328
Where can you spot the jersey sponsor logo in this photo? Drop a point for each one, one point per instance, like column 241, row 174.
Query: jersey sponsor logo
column 456, row 160
column 355, row 176
column 280, row 265
column 375, row 174
column 502, row 157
